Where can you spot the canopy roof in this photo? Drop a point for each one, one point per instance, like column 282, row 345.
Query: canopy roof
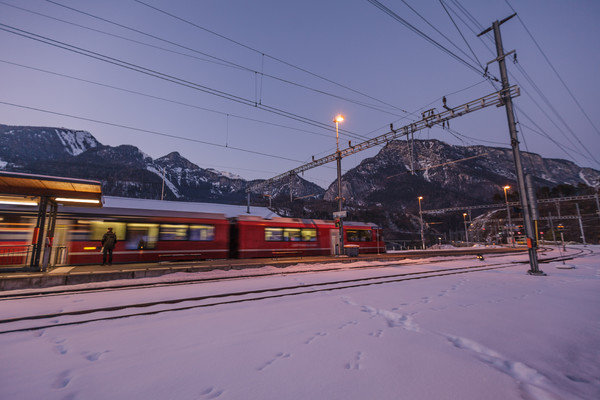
column 59, row 189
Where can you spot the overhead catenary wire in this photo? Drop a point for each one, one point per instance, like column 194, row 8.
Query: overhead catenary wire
column 172, row 79
column 556, row 72
column 138, row 93
column 223, row 61
column 460, row 33
column 263, row 54
column 424, row 36
column 443, row 35
column 139, row 42
column 555, row 112
column 589, row 156
column 141, row 130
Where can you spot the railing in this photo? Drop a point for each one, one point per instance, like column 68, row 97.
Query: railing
column 20, row 255
column 15, row 255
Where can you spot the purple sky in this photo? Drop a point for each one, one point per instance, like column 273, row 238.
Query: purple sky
column 320, row 58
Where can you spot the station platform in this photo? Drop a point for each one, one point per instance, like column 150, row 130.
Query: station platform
column 82, row 274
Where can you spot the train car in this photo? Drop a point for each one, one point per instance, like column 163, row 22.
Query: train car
column 254, row 237
column 367, row 236
column 151, row 230
column 148, row 238
column 154, row 231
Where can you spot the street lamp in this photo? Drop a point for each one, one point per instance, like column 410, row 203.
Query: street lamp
column 510, row 229
column 338, row 155
column 466, row 230
column 421, row 217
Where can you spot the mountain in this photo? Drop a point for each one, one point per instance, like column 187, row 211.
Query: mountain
column 124, row 170
column 448, row 175
column 381, row 189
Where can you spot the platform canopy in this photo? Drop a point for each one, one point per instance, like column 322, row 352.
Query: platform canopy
column 18, row 188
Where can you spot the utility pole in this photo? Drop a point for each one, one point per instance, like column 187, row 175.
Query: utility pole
column 162, row 192
column 597, row 203
column 514, row 141
column 580, row 224
column 338, row 157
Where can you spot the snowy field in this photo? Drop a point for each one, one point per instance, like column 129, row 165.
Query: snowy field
column 496, row 334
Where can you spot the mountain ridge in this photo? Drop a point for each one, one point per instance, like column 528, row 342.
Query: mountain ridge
column 445, row 175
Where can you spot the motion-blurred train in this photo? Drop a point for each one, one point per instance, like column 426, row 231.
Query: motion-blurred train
column 154, row 231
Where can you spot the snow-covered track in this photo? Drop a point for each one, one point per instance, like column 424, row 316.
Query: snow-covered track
column 83, row 316
column 45, row 321
column 64, row 290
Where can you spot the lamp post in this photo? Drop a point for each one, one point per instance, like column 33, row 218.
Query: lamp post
column 339, row 118
column 510, row 229
column 421, row 217
column 466, row 230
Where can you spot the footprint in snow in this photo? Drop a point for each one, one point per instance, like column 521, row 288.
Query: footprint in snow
column 94, row 356
column 377, row 334
column 211, row 393
column 62, row 380
column 312, row 338
column 532, row 383
column 278, row 356
column 394, row 320
column 347, row 324
column 355, row 364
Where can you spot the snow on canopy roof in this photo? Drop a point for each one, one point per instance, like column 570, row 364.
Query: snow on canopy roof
column 228, row 210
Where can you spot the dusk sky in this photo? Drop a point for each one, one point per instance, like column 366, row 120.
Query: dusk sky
column 252, row 87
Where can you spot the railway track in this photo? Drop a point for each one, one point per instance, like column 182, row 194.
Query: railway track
column 67, row 290
column 84, row 316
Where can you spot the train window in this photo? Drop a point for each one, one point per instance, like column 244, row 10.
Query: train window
column 273, row 234
column 97, row 229
column 309, row 235
column 290, row 235
column 173, row 232
column 359, row 235
column 202, row 232
column 141, row 236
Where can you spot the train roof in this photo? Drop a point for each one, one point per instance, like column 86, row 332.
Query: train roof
column 284, row 220
column 228, row 210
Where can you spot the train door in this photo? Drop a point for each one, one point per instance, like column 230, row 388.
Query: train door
column 334, row 235
column 234, row 241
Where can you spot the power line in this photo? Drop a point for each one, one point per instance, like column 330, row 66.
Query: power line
column 460, row 32
column 556, row 113
column 423, row 35
column 147, row 131
column 444, row 36
column 555, row 71
column 170, row 78
column 160, row 98
column 123, row 37
column 222, row 61
column 265, row 54
column 540, row 93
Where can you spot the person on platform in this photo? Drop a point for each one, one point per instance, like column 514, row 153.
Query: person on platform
column 109, row 240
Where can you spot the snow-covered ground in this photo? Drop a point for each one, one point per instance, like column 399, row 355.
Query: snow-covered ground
column 497, row 334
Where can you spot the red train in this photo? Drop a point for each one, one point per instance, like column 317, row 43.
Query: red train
column 153, row 231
